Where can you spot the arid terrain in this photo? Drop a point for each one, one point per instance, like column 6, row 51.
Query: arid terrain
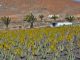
column 18, row 8
column 39, row 30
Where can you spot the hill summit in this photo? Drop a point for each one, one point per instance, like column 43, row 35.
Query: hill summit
column 21, row 7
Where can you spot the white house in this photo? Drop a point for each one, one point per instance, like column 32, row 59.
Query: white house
column 50, row 16
column 58, row 24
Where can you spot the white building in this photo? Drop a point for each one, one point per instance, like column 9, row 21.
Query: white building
column 50, row 16
column 58, row 24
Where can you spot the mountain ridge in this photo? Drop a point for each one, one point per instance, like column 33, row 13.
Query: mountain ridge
column 21, row 7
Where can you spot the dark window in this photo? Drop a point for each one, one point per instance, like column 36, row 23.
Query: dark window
column 54, row 24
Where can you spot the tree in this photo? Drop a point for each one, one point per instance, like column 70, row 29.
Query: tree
column 41, row 17
column 70, row 18
column 54, row 17
column 31, row 19
column 6, row 20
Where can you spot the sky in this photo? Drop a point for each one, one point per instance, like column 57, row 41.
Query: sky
column 77, row 0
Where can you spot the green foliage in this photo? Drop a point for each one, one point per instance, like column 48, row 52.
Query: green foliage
column 41, row 42
column 6, row 20
column 54, row 17
column 41, row 17
column 70, row 18
column 31, row 19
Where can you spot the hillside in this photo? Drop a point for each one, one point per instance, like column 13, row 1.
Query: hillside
column 20, row 7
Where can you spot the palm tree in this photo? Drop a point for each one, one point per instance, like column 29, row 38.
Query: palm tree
column 6, row 21
column 70, row 18
column 41, row 17
column 54, row 17
column 31, row 19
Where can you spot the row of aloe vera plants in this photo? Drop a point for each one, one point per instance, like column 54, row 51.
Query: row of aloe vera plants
column 59, row 43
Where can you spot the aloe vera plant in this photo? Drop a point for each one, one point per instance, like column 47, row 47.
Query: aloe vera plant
column 40, row 44
column 1, row 55
column 10, row 57
column 70, row 56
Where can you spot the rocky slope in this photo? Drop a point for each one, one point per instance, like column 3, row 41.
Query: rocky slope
column 20, row 7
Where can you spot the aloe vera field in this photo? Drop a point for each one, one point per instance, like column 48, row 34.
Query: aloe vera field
column 57, row 43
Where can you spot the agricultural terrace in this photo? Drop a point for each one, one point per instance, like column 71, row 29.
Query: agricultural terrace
column 39, row 43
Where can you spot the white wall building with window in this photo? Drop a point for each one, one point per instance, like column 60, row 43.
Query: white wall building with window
column 58, row 24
